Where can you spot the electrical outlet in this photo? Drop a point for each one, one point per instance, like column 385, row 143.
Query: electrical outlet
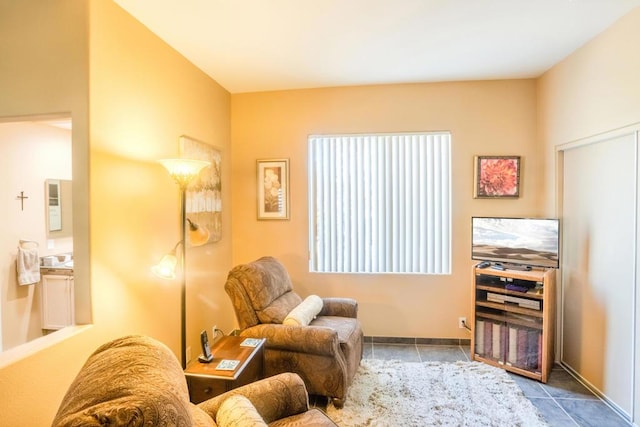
column 462, row 322
column 214, row 331
column 188, row 353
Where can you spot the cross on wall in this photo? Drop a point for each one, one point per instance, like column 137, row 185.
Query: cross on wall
column 21, row 197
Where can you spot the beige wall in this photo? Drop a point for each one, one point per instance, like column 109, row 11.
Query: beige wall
column 485, row 118
column 143, row 97
column 593, row 91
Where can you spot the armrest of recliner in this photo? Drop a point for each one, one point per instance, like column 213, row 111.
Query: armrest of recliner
column 342, row 307
column 302, row 339
column 274, row 398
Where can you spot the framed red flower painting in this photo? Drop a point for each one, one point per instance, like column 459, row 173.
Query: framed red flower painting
column 497, row 176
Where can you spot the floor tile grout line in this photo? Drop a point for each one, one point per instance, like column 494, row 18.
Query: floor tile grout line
column 415, row 346
column 563, row 410
column 555, row 401
column 466, row 356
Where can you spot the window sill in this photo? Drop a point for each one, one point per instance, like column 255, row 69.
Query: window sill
column 30, row 348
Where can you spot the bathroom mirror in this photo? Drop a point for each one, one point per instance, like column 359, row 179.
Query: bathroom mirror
column 58, row 202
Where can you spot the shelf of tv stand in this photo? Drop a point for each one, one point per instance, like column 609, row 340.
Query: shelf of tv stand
column 535, row 375
column 513, row 317
column 511, row 320
column 510, row 308
column 535, row 275
column 502, row 290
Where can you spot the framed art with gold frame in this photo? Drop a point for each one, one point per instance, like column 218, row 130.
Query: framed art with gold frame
column 273, row 188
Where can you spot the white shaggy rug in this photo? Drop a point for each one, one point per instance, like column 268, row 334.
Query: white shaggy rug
column 394, row 393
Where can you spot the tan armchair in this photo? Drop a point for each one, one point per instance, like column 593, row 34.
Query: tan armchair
column 326, row 353
column 137, row 381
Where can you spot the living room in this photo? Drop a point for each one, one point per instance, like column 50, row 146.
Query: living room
column 131, row 96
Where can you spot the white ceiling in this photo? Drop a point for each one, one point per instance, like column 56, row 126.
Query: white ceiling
column 259, row 45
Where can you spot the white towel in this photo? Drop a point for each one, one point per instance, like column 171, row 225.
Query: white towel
column 28, row 266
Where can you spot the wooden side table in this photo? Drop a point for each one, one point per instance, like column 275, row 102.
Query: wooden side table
column 206, row 381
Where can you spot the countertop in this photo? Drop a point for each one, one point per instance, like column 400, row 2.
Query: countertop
column 57, row 269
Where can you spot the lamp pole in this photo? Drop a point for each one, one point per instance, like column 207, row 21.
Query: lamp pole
column 183, row 276
column 183, row 171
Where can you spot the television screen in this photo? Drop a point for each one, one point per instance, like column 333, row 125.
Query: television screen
column 523, row 241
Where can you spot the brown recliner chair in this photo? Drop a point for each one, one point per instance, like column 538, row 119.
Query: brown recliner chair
column 136, row 380
column 326, row 353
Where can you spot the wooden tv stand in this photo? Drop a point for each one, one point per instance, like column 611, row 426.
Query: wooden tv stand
column 514, row 329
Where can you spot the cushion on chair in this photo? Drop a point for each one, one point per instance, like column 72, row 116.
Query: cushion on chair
column 348, row 329
column 304, row 312
column 238, row 411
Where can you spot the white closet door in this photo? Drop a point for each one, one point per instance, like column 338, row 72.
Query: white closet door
column 599, row 264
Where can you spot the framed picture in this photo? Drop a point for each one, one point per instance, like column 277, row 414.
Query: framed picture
column 273, row 189
column 497, row 176
column 204, row 194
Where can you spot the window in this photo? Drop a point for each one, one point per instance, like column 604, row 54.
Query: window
column 380, row 203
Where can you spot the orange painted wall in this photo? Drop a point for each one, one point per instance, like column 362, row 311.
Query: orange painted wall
column 139, row 96
column 485, row 118
column 144, row 96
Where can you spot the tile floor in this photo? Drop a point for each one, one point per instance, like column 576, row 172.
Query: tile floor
column 563, row 401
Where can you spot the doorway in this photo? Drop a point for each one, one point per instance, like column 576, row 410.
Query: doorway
column 599, row 263
column 33, row 150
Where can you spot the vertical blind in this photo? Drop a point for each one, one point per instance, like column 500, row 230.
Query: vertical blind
column 380, row 203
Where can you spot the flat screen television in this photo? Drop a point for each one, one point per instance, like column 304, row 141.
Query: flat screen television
column 528, row 242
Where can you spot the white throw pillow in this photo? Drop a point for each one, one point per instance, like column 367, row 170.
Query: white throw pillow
column 238, row 411
column 304, row 312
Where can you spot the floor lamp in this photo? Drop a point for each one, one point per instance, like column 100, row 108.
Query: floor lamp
column 183, row 171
